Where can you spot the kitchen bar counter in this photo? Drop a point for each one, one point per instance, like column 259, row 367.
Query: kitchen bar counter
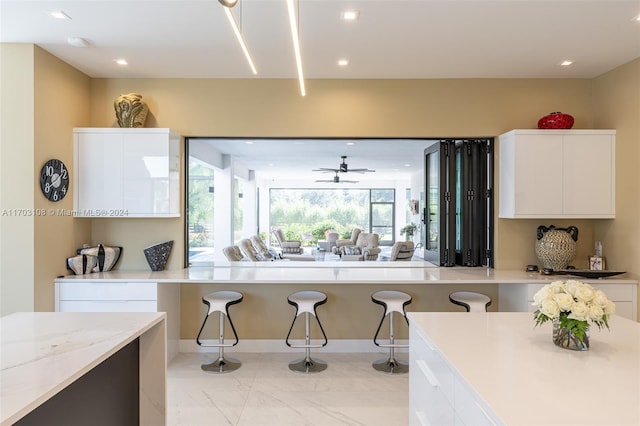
column 497, row 368
column 47, row 356
column 348, row 286
column 334, row 272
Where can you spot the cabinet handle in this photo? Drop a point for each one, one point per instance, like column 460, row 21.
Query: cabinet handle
column 422, row 419
column 485, row 413
column 426, row 341
column 433, row 381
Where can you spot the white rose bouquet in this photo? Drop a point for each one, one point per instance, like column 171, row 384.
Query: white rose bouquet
column 574, row 305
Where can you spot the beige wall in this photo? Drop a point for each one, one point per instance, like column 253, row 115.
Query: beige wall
column 617, row 105
column 17, row 176
column 42, row 98
column 62, row 99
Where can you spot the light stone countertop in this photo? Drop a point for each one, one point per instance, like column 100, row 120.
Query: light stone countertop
column 44, row 352
column 335, row 272
column 526, row 380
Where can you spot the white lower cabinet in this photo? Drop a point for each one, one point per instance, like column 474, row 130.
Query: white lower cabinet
column 519, row 297
column 120, row 296
column 437, row 396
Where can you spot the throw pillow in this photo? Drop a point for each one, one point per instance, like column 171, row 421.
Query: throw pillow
column 352, row 250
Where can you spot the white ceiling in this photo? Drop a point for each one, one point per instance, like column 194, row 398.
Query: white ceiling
column 393, row 39
column 295, row 159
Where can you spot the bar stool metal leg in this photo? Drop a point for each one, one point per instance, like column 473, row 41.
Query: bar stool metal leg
column 219, row 302
column 306, row 302
column 392, row 301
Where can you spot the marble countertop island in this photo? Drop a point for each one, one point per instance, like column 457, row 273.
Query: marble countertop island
column 42, row 353
column 526, row 380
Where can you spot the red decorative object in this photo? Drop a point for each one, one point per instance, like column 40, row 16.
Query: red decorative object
column 556, row 120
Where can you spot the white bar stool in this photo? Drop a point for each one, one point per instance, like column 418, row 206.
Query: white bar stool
column 220, row 301
column 306, row 302
column 471, row 301
column 393, row 301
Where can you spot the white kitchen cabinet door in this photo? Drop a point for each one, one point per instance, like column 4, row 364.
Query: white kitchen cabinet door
column 126, row 172
column 557, row 174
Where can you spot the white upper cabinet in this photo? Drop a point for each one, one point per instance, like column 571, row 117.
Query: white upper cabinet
column 557, row 174
column 126, row 172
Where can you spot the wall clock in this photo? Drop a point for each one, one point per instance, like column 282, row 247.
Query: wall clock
column 54, row 180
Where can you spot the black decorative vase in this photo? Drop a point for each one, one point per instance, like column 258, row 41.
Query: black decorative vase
column 158, row 254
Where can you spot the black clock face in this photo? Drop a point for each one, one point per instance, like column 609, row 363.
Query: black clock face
column 54, row 180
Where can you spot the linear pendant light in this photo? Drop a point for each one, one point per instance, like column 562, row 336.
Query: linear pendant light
column 296, row 44
column 240, row 38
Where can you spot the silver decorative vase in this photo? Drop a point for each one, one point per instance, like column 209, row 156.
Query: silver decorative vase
column 158, row 254
column 131, row 110
column 556, row 247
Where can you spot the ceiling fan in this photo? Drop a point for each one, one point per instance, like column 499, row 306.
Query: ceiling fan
column 336, row 179
column 342, row 168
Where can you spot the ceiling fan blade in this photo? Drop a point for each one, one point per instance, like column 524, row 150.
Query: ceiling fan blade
column 361, row 170
column 325, row 170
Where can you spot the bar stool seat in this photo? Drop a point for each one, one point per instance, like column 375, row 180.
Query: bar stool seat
column 470, row 300
column 392, row 301
column 220, row 301
column 306, row 303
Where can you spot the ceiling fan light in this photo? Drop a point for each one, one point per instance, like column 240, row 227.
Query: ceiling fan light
column 228, row 3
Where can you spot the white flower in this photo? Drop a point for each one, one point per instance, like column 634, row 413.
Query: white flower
column 571, row 285
column 564, row 301
column 600, row 299
column 556, row 287
column 580, row 311
column 584, row 293
column 595, row 313
column 550, row 308
column 542, row 294
column 570, row 302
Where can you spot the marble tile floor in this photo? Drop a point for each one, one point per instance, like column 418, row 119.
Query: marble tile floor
column 265, row 392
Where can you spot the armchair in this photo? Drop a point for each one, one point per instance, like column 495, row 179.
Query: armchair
column 402, row 250
column 287, row 246
column 370, row 245
column 350, row 242
column 249, row 251
column 365, row 248
column 262, row 249
column 291, row 250
column 233, row 254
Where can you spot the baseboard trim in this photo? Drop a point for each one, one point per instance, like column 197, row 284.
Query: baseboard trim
column 278, row 345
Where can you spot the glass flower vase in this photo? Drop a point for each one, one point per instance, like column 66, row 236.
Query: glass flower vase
column 566, row 339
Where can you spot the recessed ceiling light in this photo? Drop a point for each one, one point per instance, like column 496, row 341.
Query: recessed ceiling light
column 77, row 41
column 343, row 62
column 122, row 62
column 58, row 14
column 566, row 63
column 350, row 15
column 637, row 18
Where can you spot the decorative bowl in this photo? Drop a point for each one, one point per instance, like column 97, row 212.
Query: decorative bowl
column 107, row 256
column 82, row 264
column 556, row 120
column 158, row 254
